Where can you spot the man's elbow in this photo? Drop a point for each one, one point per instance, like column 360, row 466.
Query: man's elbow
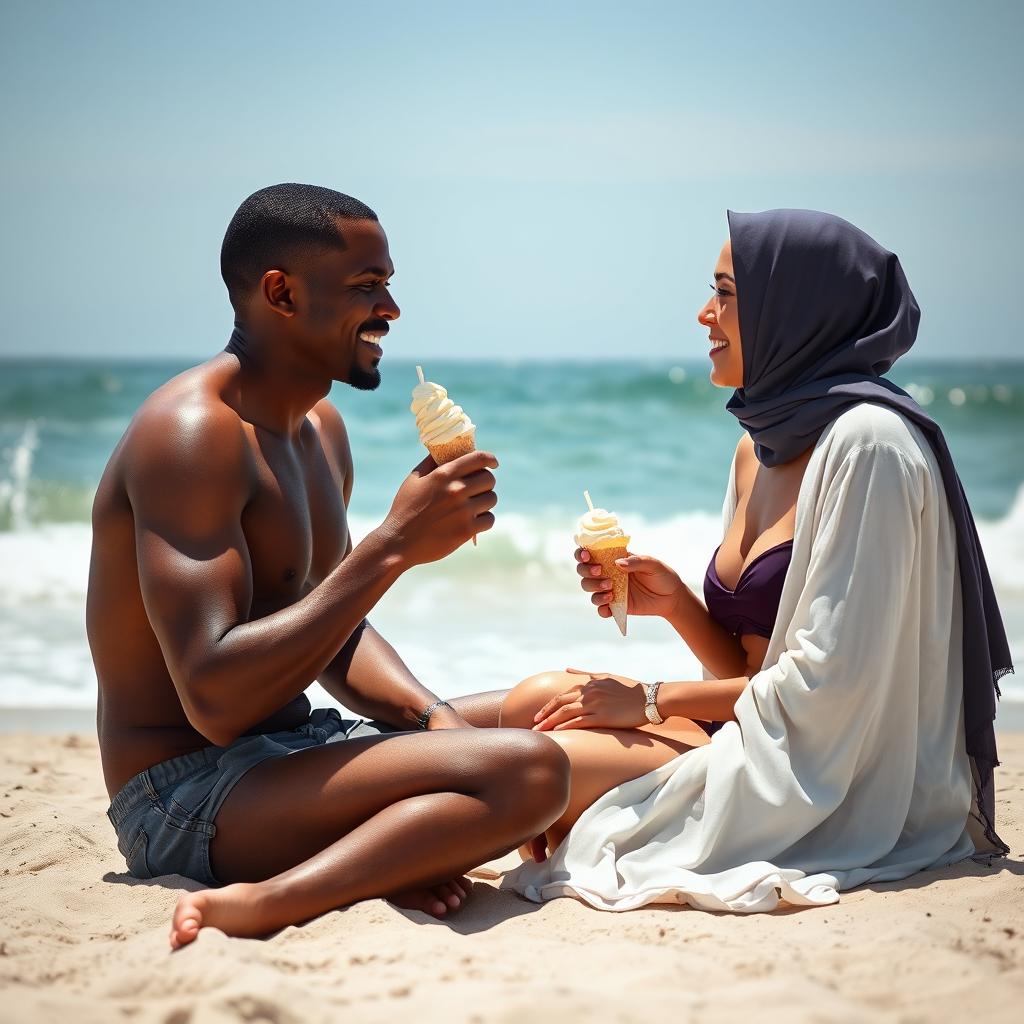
column 218, row 735
column 214, row 727
column 206, row 715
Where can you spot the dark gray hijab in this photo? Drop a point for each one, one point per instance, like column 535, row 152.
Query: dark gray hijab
column 824, row 311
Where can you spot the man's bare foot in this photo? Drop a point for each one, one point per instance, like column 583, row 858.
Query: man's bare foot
column 236, row 910
column 436, row 900
column 241, row 910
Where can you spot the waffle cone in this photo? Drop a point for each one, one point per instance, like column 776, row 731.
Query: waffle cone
column 605, row 557
column 462, row 445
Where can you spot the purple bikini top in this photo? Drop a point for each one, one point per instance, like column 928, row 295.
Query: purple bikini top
column 753, row 606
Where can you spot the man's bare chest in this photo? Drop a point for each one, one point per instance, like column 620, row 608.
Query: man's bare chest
column 294, row 523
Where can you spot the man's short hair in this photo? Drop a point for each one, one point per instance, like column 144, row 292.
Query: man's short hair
column 278, row 223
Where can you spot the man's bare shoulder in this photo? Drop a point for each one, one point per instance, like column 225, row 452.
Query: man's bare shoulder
column 328, row 420
column 330, row 425
column 185, row 425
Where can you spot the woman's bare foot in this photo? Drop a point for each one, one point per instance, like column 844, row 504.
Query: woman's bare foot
column 536, row 850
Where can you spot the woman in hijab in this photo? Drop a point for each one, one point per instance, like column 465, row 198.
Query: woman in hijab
column 852, row 645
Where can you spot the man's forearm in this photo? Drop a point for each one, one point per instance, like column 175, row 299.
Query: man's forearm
column 369, row 677
column 710, row 700
column 258, row 666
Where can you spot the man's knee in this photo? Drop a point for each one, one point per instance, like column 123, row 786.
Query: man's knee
column 540, row 773
column 523, row 772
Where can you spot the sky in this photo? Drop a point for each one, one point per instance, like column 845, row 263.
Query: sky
column 553, row 177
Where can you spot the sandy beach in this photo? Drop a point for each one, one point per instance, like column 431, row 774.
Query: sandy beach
column 81, row 940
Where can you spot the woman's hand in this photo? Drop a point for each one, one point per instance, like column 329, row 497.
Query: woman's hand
column 654, row 588
column 597, row 702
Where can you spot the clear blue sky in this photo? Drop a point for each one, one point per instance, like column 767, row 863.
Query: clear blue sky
column 553, row 177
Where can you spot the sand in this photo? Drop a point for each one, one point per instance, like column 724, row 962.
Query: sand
column 81, row 941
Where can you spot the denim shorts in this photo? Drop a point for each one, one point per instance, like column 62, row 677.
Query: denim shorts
column 164, row 817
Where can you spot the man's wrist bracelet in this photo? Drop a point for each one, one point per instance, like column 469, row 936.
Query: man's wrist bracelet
column 424, row 720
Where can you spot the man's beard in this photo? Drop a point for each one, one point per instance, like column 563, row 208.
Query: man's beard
column 363, row 380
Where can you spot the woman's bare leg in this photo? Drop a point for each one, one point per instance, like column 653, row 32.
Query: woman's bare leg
column 481, row 710
column 325, row 827
column 600, row 759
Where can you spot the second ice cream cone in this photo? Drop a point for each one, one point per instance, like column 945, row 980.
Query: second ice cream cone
column 605, row 553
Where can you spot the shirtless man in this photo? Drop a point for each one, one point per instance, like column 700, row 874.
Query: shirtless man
column 223, row 582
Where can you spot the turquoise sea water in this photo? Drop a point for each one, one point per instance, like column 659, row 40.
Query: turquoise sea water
column 650, row 440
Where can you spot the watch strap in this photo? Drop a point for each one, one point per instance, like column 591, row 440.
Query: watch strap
column 651, row 703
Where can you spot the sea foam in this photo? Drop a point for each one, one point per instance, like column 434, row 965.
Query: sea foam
column 481, row 619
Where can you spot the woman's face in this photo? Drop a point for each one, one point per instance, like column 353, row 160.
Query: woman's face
column 722, row 318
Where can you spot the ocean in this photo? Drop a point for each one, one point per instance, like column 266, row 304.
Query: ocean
column 651, row 441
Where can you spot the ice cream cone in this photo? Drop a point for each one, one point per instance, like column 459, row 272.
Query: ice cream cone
column 445, row 429
column 605, row 552
column 599, row 532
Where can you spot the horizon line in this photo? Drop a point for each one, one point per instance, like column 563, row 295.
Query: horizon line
column 195, row 360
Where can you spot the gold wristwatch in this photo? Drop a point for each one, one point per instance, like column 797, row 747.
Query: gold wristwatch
column 651, row 704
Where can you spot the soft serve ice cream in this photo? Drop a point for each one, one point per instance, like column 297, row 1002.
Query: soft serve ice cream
column 599, row 532
column 599, row 525
column 445, row 429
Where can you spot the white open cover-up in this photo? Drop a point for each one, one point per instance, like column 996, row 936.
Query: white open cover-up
column 846, row 763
